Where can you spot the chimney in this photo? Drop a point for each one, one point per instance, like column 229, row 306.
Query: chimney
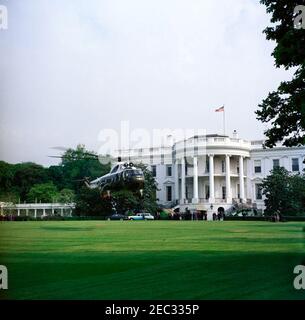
column 235, row 134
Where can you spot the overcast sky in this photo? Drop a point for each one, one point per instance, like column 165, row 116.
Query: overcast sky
column 70, row 68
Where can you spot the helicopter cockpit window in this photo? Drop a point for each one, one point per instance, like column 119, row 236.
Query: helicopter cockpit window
column 115, row 169
column 130, row 173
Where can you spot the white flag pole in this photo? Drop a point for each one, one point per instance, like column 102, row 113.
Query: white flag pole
column 224, row 120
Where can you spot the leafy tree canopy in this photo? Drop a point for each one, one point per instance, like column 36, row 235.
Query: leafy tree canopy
column 284, row 192
column 89, row 203
column 26, row 175
column 79, row 164
column 46, row 192
column 284, row 109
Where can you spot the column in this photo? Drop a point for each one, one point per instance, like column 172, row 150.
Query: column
column 176, row 180
column 44, row 212
column 182, row 180
column 18, row 212
column 27, row 212
column 195, row 181
column 62, row 212
column 228, row 180
column 211, row 178
column 241, row 179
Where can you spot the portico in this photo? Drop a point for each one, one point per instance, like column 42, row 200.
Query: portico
column 211, row 175
column 218, row 185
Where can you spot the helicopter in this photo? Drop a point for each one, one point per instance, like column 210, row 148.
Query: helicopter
column 123, row 175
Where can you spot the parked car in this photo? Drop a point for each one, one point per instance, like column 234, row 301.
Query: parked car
column 142, row 216
column 116, row 216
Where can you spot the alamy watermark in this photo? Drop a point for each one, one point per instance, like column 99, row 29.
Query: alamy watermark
column 299, row 281
column 3, row 278
column 299, row 17
column 125, row 141
column 3, row 17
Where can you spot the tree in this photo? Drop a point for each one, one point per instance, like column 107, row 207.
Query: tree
column 66, row 196
column 6, row 176
column 8, row 192
column 45, row 192
column 277, row 190
column 89, row 203
column 26, row 175
column 149, row 200
column 125, row 201
column 78, row 164
column 284, row 109
column 56, row 175
column 284, row 192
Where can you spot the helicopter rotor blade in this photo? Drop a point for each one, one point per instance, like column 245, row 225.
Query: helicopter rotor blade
column 60, row 148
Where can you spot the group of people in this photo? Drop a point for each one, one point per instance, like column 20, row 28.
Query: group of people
column 220, row 216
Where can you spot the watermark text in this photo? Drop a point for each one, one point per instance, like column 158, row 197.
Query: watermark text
column 3, row 17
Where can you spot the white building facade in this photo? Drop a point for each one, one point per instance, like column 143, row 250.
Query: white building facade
column 214, row 173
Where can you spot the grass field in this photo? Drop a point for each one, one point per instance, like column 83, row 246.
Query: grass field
column 151, row 260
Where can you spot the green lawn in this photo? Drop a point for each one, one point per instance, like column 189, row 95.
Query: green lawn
column 151, row 260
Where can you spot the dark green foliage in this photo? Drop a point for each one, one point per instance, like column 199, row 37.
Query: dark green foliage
column 45, row 192
column 285, row 193
column 6, row 176
column 66, row 196
column 65, row 183
column 126, row 201
column 149, row 201
column 284, row 109
column 89, row 203
column 26, row 175
column 29, row 181
column 76, row 165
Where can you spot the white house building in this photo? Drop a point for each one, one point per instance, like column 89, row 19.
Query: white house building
column 213, row 173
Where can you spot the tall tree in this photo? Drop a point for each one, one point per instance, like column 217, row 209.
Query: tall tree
column 80, row 163
column 89, row 203
column 284, row 192
column 45, row 192
column 149, row 200
column 284, row 109
column 26, row 175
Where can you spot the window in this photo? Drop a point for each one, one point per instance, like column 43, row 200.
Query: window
column 207, row 165
column 115, row 169
column 223, row 192
column 154, row 171
column 258, row 192
column 207, row 192
column 257, row 166
column 295, row 165
column 169, row 193
column 169, row 171
column 223, row 166
column 276, row 163
column 238, row 191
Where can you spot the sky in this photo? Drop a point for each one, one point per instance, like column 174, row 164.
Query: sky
column 71, row 68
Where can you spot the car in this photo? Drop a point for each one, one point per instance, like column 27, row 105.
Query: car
column 116, row 216
column 142, row 216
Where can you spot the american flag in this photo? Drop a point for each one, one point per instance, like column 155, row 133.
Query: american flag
column 221, row 109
